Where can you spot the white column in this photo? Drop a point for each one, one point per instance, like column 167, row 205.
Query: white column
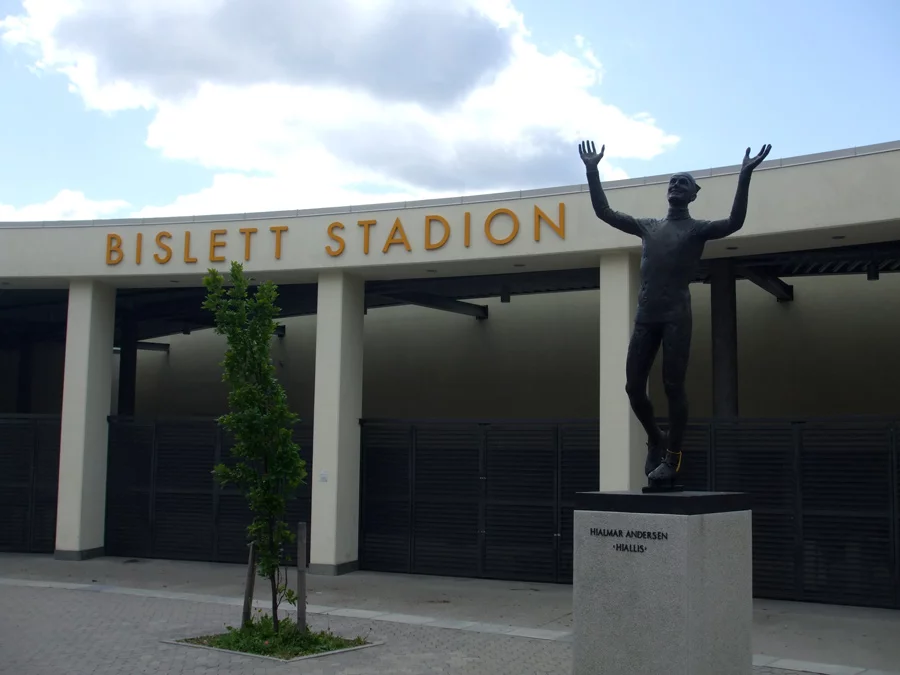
column 81, row 508
column 622, row 440
column 335, row 472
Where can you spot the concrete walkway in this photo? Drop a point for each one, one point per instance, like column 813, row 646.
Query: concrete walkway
column 794, row 636
column 50, row 630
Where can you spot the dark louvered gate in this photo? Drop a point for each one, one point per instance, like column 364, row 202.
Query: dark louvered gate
column 847, row 516
column 494, row 499
column 162, row 500
column 446, row 506
column 825, row 505
column 29, row 468
column 759, row 458
column 579, row 469
column 474, row 499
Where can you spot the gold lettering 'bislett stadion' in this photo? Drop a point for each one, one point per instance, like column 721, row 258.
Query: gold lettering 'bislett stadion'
column 501, row 227
column 671, row 248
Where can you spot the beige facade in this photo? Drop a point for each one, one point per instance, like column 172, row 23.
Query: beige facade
column 794, row 203
column 830, row 351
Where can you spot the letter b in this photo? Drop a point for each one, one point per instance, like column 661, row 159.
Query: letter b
column 114, row 253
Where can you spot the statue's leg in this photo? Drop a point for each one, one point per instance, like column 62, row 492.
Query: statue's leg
column 642, row 349
column 676, row 352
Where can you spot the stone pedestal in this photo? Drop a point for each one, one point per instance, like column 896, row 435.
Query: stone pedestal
column 662, row 584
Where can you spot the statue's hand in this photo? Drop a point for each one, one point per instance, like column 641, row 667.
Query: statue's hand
column 589, row 154
column 751, row 163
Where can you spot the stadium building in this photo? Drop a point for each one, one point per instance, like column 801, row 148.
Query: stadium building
column 458, row 365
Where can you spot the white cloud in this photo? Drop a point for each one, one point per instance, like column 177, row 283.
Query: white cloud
column 67, row 205
column 588, row 52
column 239, row 193
column 386, row 106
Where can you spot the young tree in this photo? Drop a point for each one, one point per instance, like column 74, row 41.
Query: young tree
column 268, row 468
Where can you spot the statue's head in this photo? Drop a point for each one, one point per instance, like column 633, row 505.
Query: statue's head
column 683, row 189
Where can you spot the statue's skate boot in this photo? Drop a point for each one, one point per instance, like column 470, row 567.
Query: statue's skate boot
column 655, row 453
column 667, row 471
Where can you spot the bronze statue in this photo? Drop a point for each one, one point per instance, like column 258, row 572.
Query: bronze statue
column 670, row 258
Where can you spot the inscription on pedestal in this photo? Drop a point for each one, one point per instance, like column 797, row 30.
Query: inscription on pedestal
column 629, row 546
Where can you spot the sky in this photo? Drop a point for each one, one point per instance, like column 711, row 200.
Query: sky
column 142, row 108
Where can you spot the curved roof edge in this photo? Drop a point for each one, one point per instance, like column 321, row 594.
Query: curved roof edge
column 832, row 155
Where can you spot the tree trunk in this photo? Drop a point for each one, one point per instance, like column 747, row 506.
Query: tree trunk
column 273, row 578
column 274, row 603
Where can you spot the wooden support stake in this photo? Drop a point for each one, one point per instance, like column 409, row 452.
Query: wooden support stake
column 249, row 584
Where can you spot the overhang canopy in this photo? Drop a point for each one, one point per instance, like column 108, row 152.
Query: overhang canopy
column 41, row 313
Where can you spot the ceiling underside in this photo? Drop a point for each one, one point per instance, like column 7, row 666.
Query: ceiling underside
column 41, row 314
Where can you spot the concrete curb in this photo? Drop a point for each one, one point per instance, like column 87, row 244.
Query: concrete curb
column 524, row 632
column 810, row 667
column 179, row 643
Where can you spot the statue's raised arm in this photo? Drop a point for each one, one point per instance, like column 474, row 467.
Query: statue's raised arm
column 620, row 221
column 718, row 229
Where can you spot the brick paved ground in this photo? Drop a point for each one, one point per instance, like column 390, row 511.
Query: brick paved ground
column 49, row 631
column 808, row 633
